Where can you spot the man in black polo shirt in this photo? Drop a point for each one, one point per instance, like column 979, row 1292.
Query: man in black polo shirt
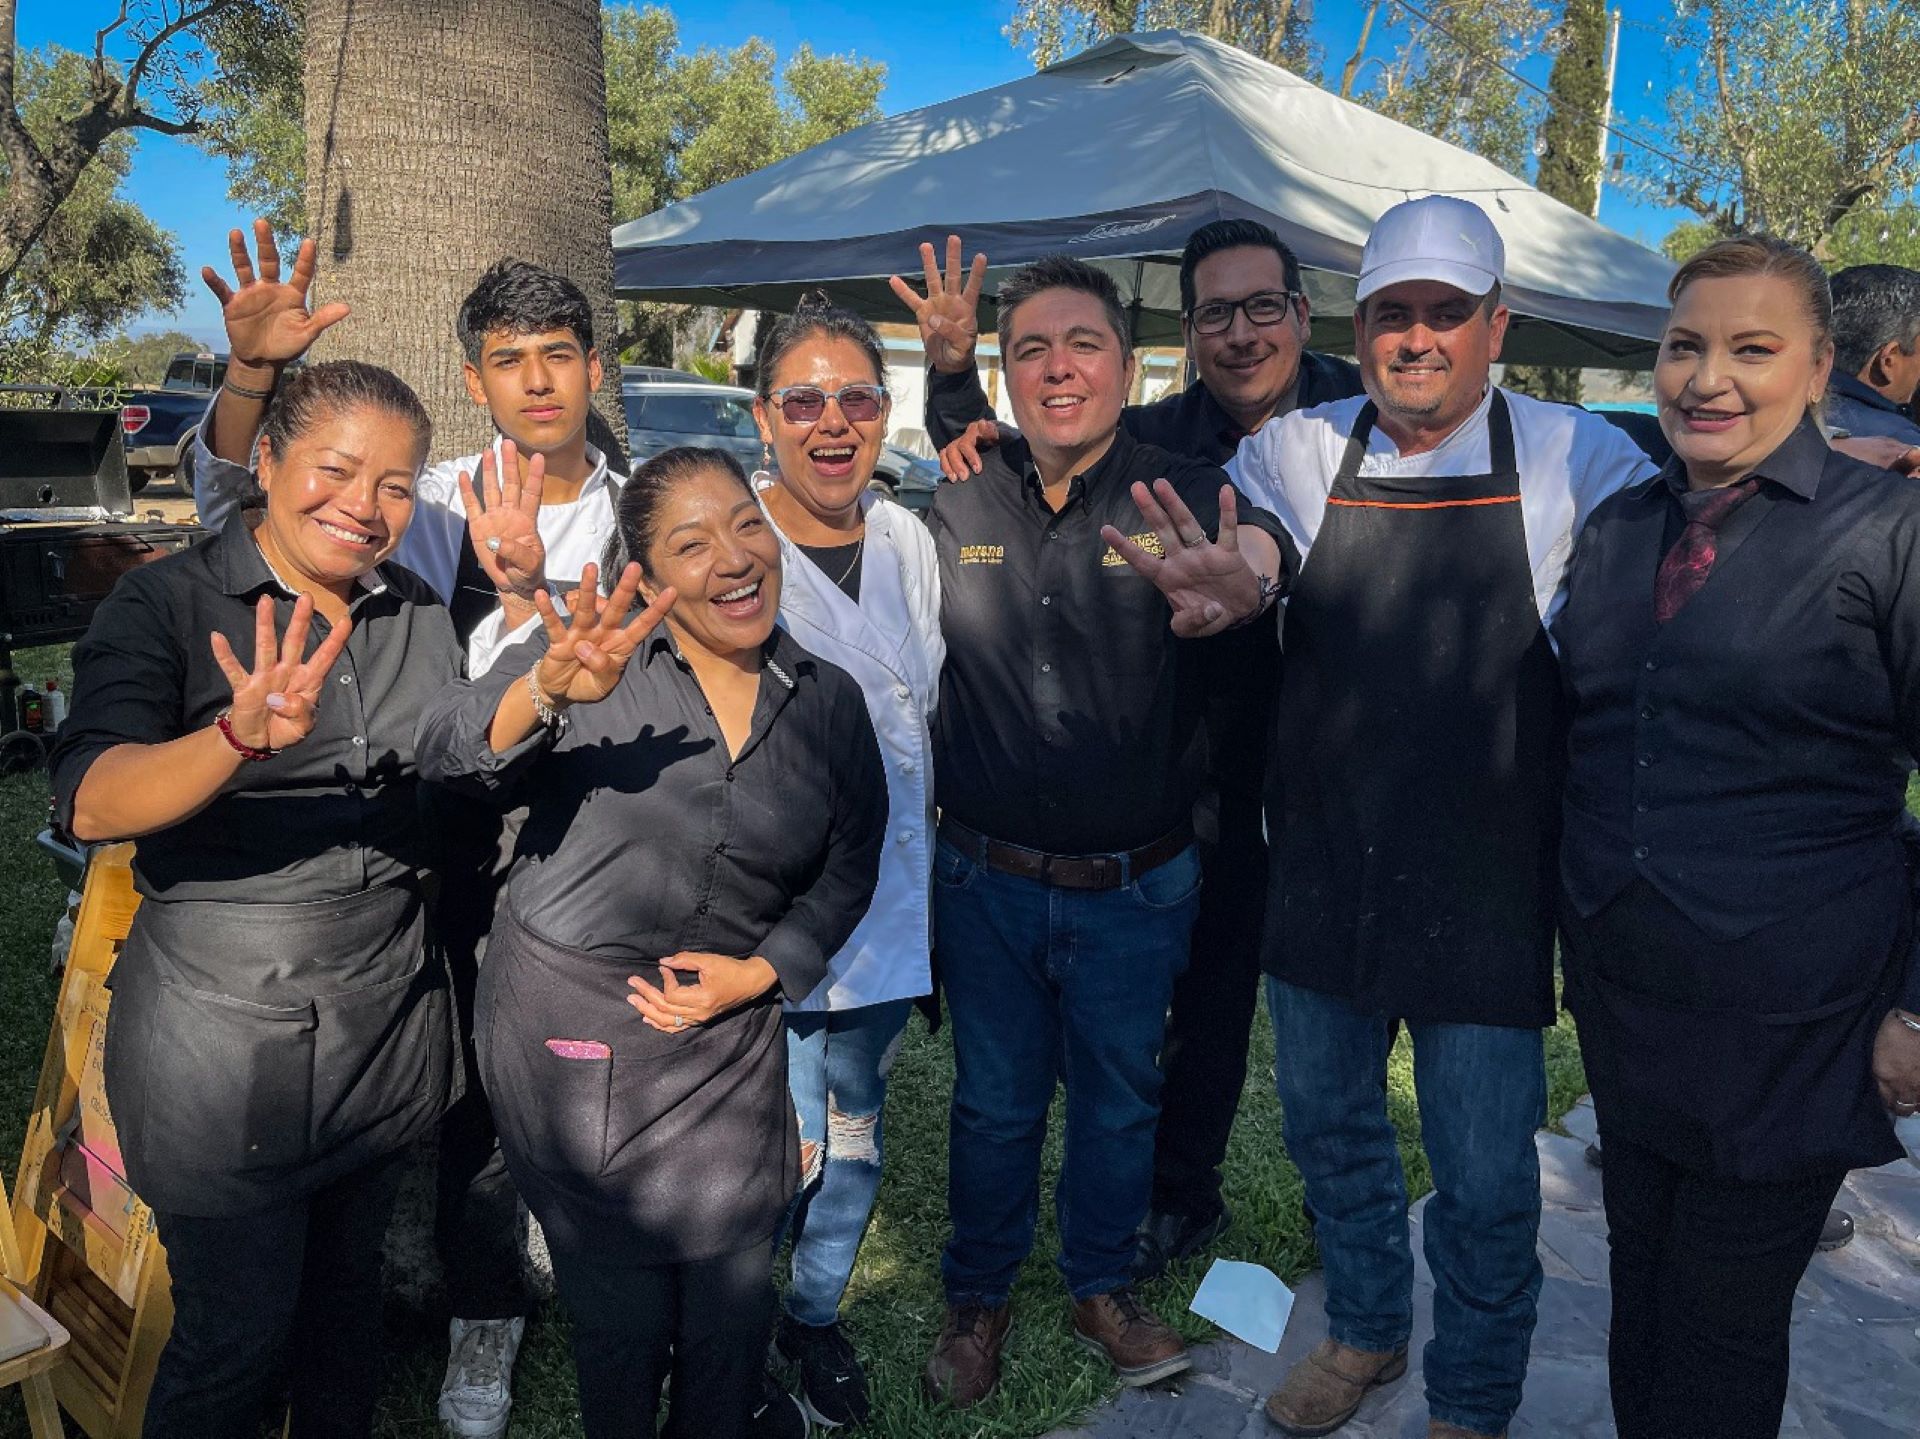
column 1068, row 758
column 1245, row 319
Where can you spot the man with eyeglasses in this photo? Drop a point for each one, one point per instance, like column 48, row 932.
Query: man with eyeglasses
column 1068, row 759
column 1245, row 319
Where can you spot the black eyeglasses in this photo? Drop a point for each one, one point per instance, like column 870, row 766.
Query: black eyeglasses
column 804, row 404
column 1269, row 307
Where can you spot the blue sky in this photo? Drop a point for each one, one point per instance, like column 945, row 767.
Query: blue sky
column 932, row 52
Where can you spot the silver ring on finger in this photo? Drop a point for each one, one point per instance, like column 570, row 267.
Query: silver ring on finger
column 493, row 543
column 1195, row 543
column 679, row 1021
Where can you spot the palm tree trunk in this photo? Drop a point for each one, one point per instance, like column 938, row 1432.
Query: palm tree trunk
column 443, row 135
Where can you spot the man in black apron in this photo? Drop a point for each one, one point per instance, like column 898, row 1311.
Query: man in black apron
column 1411, row 806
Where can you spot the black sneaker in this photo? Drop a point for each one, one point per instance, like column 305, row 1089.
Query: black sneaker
column 833, row 1386
column 1168, row 1237
column 776, row 1414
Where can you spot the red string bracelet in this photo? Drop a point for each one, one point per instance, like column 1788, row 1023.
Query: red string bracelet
column 224, row 723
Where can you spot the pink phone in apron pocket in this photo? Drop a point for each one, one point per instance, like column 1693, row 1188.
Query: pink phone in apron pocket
column 579, row 1049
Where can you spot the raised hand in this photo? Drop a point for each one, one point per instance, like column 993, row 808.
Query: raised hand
column 276, row 702
column 949, row 314
column 588, row 650
column 505, row 533
column 268, row 323
column 961, row 458
column 1208, row 582
column 721, row 983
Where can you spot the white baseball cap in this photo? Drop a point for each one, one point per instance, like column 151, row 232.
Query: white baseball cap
column 1436, row 237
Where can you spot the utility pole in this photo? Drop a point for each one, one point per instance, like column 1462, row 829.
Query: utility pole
column 1606, row 107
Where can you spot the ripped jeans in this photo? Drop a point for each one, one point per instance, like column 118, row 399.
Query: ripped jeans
column 837, row 1065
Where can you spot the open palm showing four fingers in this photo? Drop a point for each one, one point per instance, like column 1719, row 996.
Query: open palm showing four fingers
column 276, row 702
column 949, row 314
column 267, row 319
column 588, row 650
column 505, row 531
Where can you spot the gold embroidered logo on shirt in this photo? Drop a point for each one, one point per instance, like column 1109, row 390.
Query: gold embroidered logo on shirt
column 1147, row 540
column 983, row 554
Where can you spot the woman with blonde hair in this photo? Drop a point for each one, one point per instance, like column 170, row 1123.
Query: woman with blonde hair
column 1741, row 646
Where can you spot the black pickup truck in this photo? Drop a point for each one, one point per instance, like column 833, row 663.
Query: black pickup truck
column 159, row 425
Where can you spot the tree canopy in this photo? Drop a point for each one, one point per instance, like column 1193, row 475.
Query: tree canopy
column 99, row 261
column 1797, row 117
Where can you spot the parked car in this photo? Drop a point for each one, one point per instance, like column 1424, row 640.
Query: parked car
column 662, row 413
column 159, row 425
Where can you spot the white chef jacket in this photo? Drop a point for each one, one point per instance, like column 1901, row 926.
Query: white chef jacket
column 1569, row 461
column 890, row 643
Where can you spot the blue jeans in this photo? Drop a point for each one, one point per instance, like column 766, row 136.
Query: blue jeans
column 837, row 1066
column 1483, row 1093
column 1047, row 985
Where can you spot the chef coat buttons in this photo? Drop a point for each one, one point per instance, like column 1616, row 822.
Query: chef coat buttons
column 901, row 692
column 1046, row 669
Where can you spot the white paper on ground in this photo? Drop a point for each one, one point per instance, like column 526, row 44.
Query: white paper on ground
column 1247, row 1301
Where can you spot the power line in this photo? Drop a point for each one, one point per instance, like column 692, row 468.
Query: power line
column 1604, row 120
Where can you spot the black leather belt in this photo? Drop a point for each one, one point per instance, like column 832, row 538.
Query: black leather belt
column 1066, row 871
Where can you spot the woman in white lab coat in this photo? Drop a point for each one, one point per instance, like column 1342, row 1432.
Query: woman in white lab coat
column 862, row 590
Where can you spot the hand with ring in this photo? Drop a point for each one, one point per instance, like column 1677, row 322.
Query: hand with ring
column 503, row 520
column 1208, row 582
column 719, row 983
column 1896, row 1064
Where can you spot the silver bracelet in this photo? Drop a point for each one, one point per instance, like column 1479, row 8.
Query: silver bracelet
column 543, row 710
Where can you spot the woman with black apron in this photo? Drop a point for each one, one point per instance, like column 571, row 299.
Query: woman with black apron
column 279, row 1030
column 707, row 808
column 1741, row 643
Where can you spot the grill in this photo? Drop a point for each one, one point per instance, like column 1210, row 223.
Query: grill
column 67, row 533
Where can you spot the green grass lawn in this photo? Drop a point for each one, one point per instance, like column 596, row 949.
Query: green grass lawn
column 894, row 1306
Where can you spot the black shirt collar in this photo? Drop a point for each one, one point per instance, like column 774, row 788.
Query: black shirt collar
column 1119, row 454
column 1860, row 392
column 243, row 567
column 779, row 653
column 1795, row 466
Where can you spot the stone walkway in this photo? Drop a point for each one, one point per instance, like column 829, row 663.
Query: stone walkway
column 1856, row 1331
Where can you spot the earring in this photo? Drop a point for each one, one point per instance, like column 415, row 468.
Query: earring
column 764, row 476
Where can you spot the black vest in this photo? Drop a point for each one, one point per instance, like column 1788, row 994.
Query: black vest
column 1745, row 758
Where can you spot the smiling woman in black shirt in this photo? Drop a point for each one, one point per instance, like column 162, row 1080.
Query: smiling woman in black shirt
column 1741, row 643
column 246, row 710
column 706, row 813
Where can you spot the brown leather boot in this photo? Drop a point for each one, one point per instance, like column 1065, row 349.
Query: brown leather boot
column 964, row 1367
column 1140, row 1348
column 1440, row 1429
column 1323, row 1390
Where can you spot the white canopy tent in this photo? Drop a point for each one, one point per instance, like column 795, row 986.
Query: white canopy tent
column 1117, row 155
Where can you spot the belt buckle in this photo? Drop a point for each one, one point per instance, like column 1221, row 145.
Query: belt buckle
column 1082, row 871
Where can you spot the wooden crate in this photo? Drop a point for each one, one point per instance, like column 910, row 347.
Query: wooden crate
column 88, row 1245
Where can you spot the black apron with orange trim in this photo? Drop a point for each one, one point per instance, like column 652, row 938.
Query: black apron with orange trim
column 1412, row 799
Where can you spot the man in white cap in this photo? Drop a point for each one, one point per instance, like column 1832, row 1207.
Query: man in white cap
column 1412, row 803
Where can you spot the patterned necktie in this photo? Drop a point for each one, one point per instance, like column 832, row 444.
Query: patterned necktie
column 1690, row 561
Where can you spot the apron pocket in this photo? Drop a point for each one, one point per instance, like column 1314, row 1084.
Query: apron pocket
column 229, row 1083
column 380, row 1053
column 1743, row 1093
column 566, row 1127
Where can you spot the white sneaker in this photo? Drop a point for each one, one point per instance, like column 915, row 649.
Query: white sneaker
column 477, row 1394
